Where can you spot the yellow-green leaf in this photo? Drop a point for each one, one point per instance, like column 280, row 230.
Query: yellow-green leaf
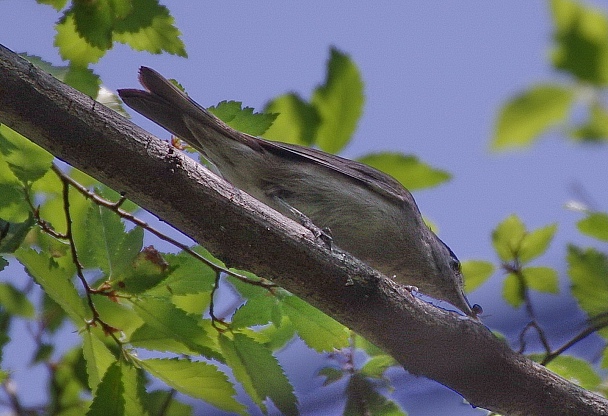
column 543, row 279
column 524, row 118
column 197, row 379
column 475, row 273
column 595, row 225
column 408, row 170
column 339, row 102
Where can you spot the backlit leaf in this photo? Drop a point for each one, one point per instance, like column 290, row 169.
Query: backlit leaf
column 525, row 117
column 339, row 102
column 408, row 170
column 319, row 331
column 197, row 379
column 595, row 225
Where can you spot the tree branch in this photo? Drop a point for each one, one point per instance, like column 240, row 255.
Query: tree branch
column 455, row 351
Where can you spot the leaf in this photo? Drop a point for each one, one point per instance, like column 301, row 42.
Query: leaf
column 254, row 366
column 595, row 128
column 55, row 281
column 84, row 80
column 13, row 234
column 363, row 399
column 542, row 279
column 135, row 391
column 174, row 323
column 574, row 369
column 14, row 210
column 595, row 225
column 187, row 276
column 149, row 27
column 408, row 170
column 475, row 273
column 507, row 237
column 98, row 358
column 256, row 311
column 56, row 4
column 147, row 271
column 581, row 41
column 297, row 121
column 109, row 398
column 512, row 291
column 525, row 117
column 536, row 243
column 94, row 21
column 164, row 399
column 197, row 379
column 588, row 270
column 106, row 245
column 317, row 330
column 339, row 102
column 28, row 161
column 242, row 119
column 15, row 302
column 331, row 375
column 377, row 365
column 72, row 47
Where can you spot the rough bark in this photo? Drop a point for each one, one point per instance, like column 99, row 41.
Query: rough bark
column 458, row 352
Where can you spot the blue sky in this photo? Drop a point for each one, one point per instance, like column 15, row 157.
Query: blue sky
column 435, row 75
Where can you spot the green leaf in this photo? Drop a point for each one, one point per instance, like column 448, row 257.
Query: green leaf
column 475, row 273
column 14, row 210
column 377, row 365
column 109, row 397
column 84, row 80
column 507, row 237
column 574, row 369
column 408, row 170
column 524, row 118
column 94, row 21
column 242, row 119
column 135, row 390
column 187, row 275
column 55, row 281
column 297, row 121
column 11, row 234
column 536, row 243
column 256, row 311
column 147, row 271
column 197, row 379
column 254, row 366
column 73, row 47
column 581, row 41
column 56, row 4
column 15, row 302
column 106, row 245
column 595, row 128
column 542, row 279
column 362, row 398
column 595, row 225
column 98, row 357
column 149, row 27
column 150, row 338
column 174, row 323
column 339, row 102
column 317, row 330
column 331, row 375
column 588, row 270
column 162, row 399
column 28, row 161
column 512, row 291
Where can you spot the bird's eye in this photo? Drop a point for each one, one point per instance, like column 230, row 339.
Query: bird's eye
column 455, row 265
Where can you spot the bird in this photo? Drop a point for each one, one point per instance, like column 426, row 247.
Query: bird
column 360, row 209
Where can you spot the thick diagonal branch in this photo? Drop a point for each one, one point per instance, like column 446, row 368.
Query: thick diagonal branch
column 457, row 352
